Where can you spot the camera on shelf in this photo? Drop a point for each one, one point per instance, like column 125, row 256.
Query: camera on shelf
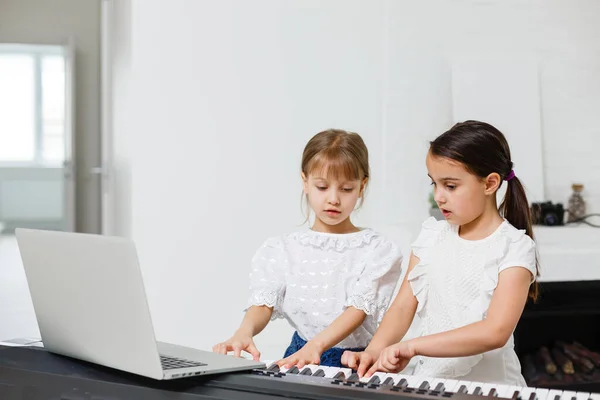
column 547, row 213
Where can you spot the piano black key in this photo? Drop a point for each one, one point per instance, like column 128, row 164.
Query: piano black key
column 478, row 391
column 374, row 380
column 273, row 368
column 493, row 393
column 293, row 370
column 424, row 386
column 402, row 383
column 319, row 373
column 339, row 375
column 440, row 387
column 516, row 396
column 388, row 381
column 462, row 389
column 557, row 397
column 533, row 396
column 306, row 371
column 353, row 377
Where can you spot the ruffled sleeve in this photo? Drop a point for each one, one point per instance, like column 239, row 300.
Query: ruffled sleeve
column 373, row 290
column 267, row 278
column 430, row 231
column 520, row 252
column 513, row 248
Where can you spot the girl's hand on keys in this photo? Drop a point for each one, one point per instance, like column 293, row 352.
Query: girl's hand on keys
column 310, row 353
column 236, row 344
column 393, row 358
column 359, row 361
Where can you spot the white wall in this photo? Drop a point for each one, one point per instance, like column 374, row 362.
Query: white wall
column 224, row 158
column 216, row 99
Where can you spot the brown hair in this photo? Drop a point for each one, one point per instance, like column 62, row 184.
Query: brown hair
column 338, row 153
column 483, row 149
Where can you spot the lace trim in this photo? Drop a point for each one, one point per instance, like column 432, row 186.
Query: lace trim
column 336, row 242
column 269, row 299
column 364, row 303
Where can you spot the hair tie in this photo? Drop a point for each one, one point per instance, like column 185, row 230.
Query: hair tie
column 510, row 175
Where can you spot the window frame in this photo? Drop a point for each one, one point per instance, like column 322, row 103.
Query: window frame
column 37, row 52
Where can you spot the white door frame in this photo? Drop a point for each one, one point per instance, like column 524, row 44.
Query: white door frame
column 105, row 170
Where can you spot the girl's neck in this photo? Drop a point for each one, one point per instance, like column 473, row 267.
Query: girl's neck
column 482, row 226
column 343, row 227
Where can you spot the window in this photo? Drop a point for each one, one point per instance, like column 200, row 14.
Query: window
column 32, row 104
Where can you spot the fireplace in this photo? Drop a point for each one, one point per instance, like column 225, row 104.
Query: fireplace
column 558, row 337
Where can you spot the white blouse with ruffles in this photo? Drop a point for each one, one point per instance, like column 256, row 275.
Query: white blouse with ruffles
column 310, row 278
column 454, row 283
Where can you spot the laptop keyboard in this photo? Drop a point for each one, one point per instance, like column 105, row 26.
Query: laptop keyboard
column 168, row 362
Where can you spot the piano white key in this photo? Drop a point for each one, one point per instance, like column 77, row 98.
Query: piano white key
column 415, row 381
column 380, row 375
column 450, row 385
column 526, row 393
column 487, row 388
column 503, row 390
column 552, row 395
column 568, row 395
column 330, row 372
column 542, row 393
column 325, row 370
column 314, row 367
column 595, row 396
column 582, row 396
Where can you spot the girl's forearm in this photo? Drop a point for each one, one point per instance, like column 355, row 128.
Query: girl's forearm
column 475, row 338
column 339, row 329
column 255, row 320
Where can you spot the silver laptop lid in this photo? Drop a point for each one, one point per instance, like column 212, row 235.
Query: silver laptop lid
column 89, row 299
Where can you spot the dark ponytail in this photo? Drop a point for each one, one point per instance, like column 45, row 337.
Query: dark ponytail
column 515, row 208
column 483, row 149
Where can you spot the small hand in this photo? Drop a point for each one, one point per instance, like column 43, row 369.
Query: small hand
column 359, row 361
column 238, row 343
column 309, row 354
column 393, row 358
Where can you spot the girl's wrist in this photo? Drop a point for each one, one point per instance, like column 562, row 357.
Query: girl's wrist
column 413, row 347
column 242, row 331
column 317, row 345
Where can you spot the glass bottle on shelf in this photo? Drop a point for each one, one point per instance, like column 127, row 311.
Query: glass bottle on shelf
column 576, row 203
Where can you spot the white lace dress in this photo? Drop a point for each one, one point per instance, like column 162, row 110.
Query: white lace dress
column 454, row 282
column 311, row 277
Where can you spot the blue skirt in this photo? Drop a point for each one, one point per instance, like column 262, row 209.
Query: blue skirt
column 329, row 358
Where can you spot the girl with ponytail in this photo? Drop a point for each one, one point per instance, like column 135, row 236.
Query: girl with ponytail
column 469, row 275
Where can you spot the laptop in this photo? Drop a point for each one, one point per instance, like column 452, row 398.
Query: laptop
column 90, row 304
